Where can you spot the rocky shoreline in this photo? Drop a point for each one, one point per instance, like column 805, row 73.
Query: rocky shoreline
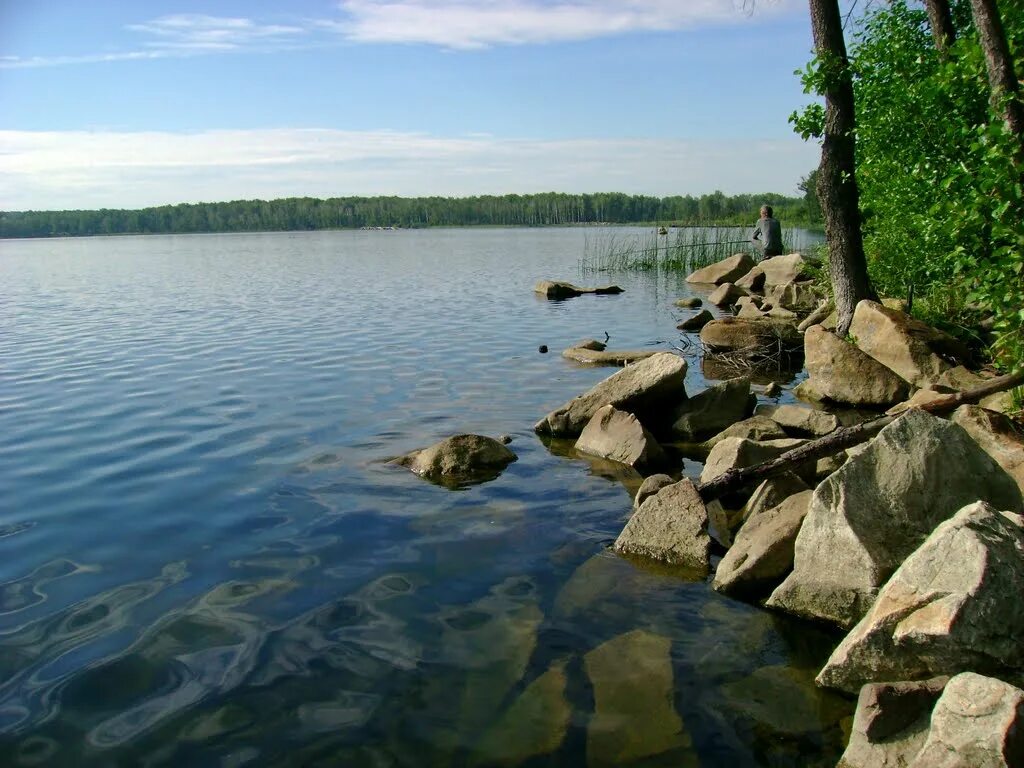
column 912, row 541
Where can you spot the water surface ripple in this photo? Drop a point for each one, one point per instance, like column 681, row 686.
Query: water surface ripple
column 205, row 561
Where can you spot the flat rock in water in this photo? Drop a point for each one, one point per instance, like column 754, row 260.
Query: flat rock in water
column 724, row 271
column 953, row 605
column 619, row 436
column 696, row 322
column 607, row 356
column 643, row 388
column 459, row 459
column 869, row 516
column 689, row 303
column 670, row 526
column 556, row 289
column 711, row 410
column 842, row 373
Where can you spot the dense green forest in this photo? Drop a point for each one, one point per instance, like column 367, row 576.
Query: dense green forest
column 306, row 213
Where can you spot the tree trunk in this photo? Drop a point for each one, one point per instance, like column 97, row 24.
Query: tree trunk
column 941, row 21
column 1001, row 77
column 837, row 184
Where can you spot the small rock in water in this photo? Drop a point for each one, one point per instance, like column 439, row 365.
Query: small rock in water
column 504, row 439
column 543, row 349
column 773, row 390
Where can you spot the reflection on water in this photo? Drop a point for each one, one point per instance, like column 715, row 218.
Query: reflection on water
column 203, row 560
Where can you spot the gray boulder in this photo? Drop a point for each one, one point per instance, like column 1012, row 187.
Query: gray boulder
column 647, row 386
column 725, row 271
column 978, row 722
column 762, row 553
column 459, row 459
column 736, row 452
column 866, row 518
column 842, row 373
column 650, row 486
column 754, row 428
column 914, row 350
column 619, row 436
column 997, row 435
column 751, row 335
column 696, row 322
column 671, row 526
column 782, row 270
column 772, row 492
column 953, row 605
column 890, row 724
column 711, row 410
column 557, row 289
column 796, row 419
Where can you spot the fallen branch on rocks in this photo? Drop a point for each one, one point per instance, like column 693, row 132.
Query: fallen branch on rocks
column 737, row 479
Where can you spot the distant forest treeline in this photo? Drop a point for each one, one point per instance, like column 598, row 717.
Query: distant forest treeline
column 307, row 213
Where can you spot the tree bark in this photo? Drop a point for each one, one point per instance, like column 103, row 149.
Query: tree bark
column 1001, row 76
column 941, row 21
column 837, row 183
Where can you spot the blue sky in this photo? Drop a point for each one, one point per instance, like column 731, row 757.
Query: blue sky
column 127, row 104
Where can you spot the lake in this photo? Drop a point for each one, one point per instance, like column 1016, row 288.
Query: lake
column 206, row 561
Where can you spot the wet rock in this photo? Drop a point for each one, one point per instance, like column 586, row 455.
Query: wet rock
column 711, row 410
column 619, row 436
column 651, row 486
column 978, row 722
column 997, row 435
column 754, row 428
column 556, row 289
column 915, row 351
column 879, row 507
column 724, row 271
column 751, row 335
column 643, row 387
column 796, row 419
column 953, row 605
column 607, row 356
column 725, row 294
column 891, row 723
column 670, row 526
column 762, row 553
column 736, row 452
column 591, row 344
column 696, row 322
column 689, row 303
column 634, row 688
column 842, row 373
column 461, row 458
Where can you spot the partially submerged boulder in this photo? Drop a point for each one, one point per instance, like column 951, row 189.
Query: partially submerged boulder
column 619, row 436
column 724, row 271
column 650, row 486
column 643, row 387
column 696, row 322
column 711, row 410
column 798, row 420
column 866, row 518
column 459, row 459
column 914, row 350
column 557, row 289
column 671, row 526
column 842, row 373
column 691, row 302
column 953, row 605
column 607, row 356
column 751, row 336
column 762, row 553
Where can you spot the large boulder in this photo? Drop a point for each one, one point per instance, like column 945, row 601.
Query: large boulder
column 650, row 486
column 711, row 410
column 780, row 270
column 772, row 492
column 762, row 553
column 866, row 518
column 997, row 435
column 459, row 459
column 607, row 356
column 725, row 271
column 890, row 724
column 752, row 281
column 557, row 289
column 798, row 297
column 953, row 605
column 978, row 722
column 619, row 436
column 754, row 428
column 671, row 526
column 725, row 294
column 696, row 322
column 914, row 350
column 751, row 335
column 642, row 388
column 799, row 420
column 737, row 452
column 842, row 373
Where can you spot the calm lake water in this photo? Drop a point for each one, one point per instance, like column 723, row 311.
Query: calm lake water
column 204, row 560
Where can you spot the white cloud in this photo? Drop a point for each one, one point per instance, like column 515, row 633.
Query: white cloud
column 197, row 32
column 58, row 170
column 469, row 24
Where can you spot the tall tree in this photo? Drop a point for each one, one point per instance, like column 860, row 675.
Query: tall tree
column 1001, row 75
column 837, row 183
column 940, row 18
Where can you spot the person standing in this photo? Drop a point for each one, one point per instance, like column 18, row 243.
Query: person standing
column 768, row 234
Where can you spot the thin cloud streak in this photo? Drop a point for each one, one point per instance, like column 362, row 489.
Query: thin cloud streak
column 58, row 170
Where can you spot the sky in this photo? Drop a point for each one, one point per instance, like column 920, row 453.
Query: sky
column 126, row 104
